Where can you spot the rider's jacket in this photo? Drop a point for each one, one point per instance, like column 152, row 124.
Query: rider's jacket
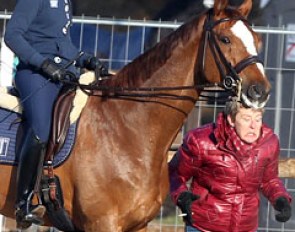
column 228, row 175
column 39, row 29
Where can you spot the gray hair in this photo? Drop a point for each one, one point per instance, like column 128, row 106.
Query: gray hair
column 232, row 107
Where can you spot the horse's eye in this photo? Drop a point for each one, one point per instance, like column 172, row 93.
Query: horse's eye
column 224, row 39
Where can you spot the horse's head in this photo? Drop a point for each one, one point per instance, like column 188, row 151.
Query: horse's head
column 230, row 53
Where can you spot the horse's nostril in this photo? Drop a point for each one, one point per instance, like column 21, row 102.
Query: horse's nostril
column 255, row 92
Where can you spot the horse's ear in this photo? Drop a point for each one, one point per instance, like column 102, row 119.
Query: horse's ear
column 245, row 8
column 219, row 6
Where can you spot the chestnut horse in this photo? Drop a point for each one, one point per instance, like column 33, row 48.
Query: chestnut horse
column 116, row 178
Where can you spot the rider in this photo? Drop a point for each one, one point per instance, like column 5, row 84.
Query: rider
column 230, row 162
column 39, row 34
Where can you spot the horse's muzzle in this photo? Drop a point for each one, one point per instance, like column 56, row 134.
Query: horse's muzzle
column 255, row 96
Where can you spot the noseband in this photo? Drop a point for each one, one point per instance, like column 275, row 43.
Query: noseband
column 229, row 74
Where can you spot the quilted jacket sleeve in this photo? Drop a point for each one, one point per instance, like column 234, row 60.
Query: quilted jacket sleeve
column 182, row 165
column 272, row 187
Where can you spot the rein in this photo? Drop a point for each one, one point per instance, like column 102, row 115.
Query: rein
column 230, row 79
column 145, row 92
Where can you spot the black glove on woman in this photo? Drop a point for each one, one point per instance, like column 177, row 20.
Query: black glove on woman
column 93, row 63
column 184, row 202
column 52, row 70
column 283, row 206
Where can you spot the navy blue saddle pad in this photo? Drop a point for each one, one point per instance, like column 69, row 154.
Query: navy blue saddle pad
column 9, row 124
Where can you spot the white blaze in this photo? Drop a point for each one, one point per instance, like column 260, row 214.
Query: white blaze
column 243, row 33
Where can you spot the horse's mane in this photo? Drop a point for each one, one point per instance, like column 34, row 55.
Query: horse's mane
column 141, row 68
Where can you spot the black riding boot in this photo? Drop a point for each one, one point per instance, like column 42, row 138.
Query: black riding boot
column 31, row 156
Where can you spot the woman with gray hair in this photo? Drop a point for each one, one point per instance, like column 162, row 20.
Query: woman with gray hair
column 229, row 162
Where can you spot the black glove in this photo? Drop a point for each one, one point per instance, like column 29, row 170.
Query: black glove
column 184, row 202
column 94, row 63
column 52, row 70
column 283, row 206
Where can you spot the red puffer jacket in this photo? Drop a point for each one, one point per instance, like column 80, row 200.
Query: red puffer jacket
column 228, row 175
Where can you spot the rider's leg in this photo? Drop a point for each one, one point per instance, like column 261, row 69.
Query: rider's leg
column 31, row 158
column 37, row 96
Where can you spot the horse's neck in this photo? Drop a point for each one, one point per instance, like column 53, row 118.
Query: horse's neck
column 152, row 122
column 169, row 63
column 178, row 70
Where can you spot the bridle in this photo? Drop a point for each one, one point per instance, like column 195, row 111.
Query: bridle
column 230, row 79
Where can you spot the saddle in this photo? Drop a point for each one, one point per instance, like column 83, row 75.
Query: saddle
column 60, row 122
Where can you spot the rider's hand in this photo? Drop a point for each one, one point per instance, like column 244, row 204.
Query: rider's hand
column 52, row 71
column 184, row 202
column 283, row 206
column 93, row 63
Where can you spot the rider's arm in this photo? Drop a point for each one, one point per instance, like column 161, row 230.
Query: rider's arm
column 24, row 14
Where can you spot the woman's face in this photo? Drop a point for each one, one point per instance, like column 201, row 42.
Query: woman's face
column 247, row 123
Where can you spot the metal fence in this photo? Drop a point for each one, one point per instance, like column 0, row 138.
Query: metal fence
column 119, row 41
